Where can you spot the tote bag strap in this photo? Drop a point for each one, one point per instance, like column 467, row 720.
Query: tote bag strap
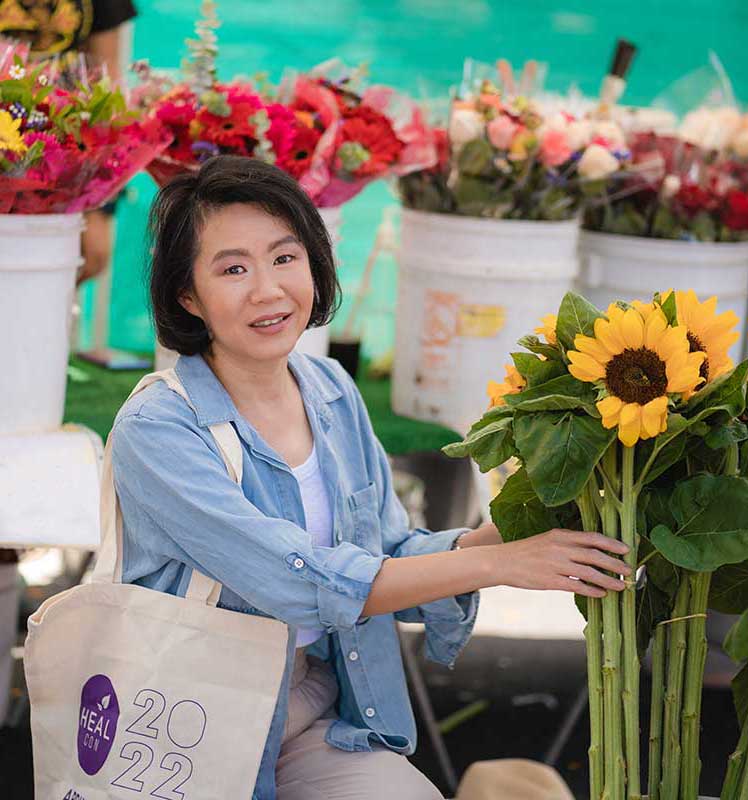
column 108, row 567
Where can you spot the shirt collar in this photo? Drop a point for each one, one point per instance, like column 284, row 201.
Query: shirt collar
column 213, row 404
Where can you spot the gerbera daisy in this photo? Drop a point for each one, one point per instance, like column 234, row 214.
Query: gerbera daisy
column 368, row 143
column 513, row 384
column 639, row 362
column 548, row 328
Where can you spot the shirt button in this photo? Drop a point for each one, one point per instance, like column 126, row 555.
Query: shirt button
column 353, row 655
column 370, row 712
column 298, row 563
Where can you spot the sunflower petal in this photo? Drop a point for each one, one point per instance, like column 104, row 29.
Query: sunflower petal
column 652, row 414
column 591, row 346
column 631, row 327
column 609, row 337
column 654, row 327
column 629, row 424
column 673, row 341
column 584, row 367
column 610, row 409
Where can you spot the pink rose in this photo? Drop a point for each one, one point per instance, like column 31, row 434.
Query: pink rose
column 501, row 131
column 554, row 148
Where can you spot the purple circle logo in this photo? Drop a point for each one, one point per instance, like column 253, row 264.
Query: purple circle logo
column 97, row 723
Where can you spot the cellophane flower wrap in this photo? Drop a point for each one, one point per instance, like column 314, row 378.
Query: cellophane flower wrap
column 631, row 421
column 331, row 135
column 502, row 157
column 68, row 142
column 690, row 185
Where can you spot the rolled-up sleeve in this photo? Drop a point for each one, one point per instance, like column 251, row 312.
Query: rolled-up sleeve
column 449, row 621
column 173, row 475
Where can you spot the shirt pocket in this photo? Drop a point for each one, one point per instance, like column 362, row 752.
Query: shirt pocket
column 364, row 508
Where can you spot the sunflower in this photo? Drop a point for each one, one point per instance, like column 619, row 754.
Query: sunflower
column 513, row 384
column 639, row 362
column 10, row 137
column 548, row 328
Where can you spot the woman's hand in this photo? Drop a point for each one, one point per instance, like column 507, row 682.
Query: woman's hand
column 571, row 561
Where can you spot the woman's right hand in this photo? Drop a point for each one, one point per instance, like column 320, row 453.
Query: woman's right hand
column 571, row 561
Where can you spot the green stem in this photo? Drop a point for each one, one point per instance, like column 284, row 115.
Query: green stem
column 593, row 635
column 674, row 695
column 733, row 781
column 697, row 647
column 732, row 459
column 615, row 765
column 628, row 613
column 655, row 725
column 696, row 659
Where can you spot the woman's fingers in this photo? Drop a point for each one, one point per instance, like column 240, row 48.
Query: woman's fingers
column 598, row 541
column 579, row 587
column 593, row 576
column 596, row 558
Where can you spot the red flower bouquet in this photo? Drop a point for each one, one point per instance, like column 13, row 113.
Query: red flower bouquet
column 66, row 150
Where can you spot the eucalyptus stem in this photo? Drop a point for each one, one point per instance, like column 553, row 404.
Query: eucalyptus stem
column 615, row 765
column 696, row 659
column 593, row 633
column 674, row 695
column 736, row 776
column 655, row 725
column 628, row 613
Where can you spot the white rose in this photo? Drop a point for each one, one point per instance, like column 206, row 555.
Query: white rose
column 610, row 131
column 597, row 163
column 465, row 125
column 670, row 186
column 579, row 134
column 710, row 128
column 739, row 143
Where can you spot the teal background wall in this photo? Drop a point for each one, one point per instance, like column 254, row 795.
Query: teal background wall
column 418, row 46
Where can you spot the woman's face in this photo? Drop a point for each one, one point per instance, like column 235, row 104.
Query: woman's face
column 252, row 284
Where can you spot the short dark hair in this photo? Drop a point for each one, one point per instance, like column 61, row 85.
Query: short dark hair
column 175, row 220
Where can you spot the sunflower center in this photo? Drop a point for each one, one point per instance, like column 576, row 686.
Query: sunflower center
column 636, row 376
column 696, row 346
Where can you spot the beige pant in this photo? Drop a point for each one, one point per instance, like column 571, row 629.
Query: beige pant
column 310, row 769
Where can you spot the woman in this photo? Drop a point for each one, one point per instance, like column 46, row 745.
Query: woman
column 315, row 535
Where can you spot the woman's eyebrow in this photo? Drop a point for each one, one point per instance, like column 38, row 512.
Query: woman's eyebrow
column 236, row 251
column 290, row 239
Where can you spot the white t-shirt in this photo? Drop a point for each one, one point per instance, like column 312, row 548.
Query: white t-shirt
column 319, row 521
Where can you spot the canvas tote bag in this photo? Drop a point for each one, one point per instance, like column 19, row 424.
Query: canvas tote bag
column 139, row 694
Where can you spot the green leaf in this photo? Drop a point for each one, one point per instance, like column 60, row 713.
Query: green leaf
column 576, row 315
column 728, row 592
column 723, row 436
column 669, row 445
column 476, row 159
column 669, row 308
column 712, row 515
column 580, row 601
column 489, row 444
column 559, row 394
column 652, row 607
column 517, row 511
column 727, row 393
column 536, row 371
column 560, row 451
column 534, row 345
column 736, row 641
column 740, row 694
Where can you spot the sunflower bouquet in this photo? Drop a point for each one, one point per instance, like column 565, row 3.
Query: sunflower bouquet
column 629, row 421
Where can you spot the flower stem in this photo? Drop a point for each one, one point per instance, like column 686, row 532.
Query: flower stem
column 628, row 614
column 615, row 765
column 674, row 695
column 696, row 659
column 735, row 766
column 593, row 634
column 655, row 725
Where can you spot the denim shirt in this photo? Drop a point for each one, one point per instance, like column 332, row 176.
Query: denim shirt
column 182, row 511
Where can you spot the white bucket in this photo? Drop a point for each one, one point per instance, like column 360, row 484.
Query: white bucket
column 39, row 257
column 468, row 289
column 634, row 267
column 9, row 596
column 315, row 341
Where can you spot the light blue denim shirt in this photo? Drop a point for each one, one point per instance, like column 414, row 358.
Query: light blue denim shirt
column 181, row 510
